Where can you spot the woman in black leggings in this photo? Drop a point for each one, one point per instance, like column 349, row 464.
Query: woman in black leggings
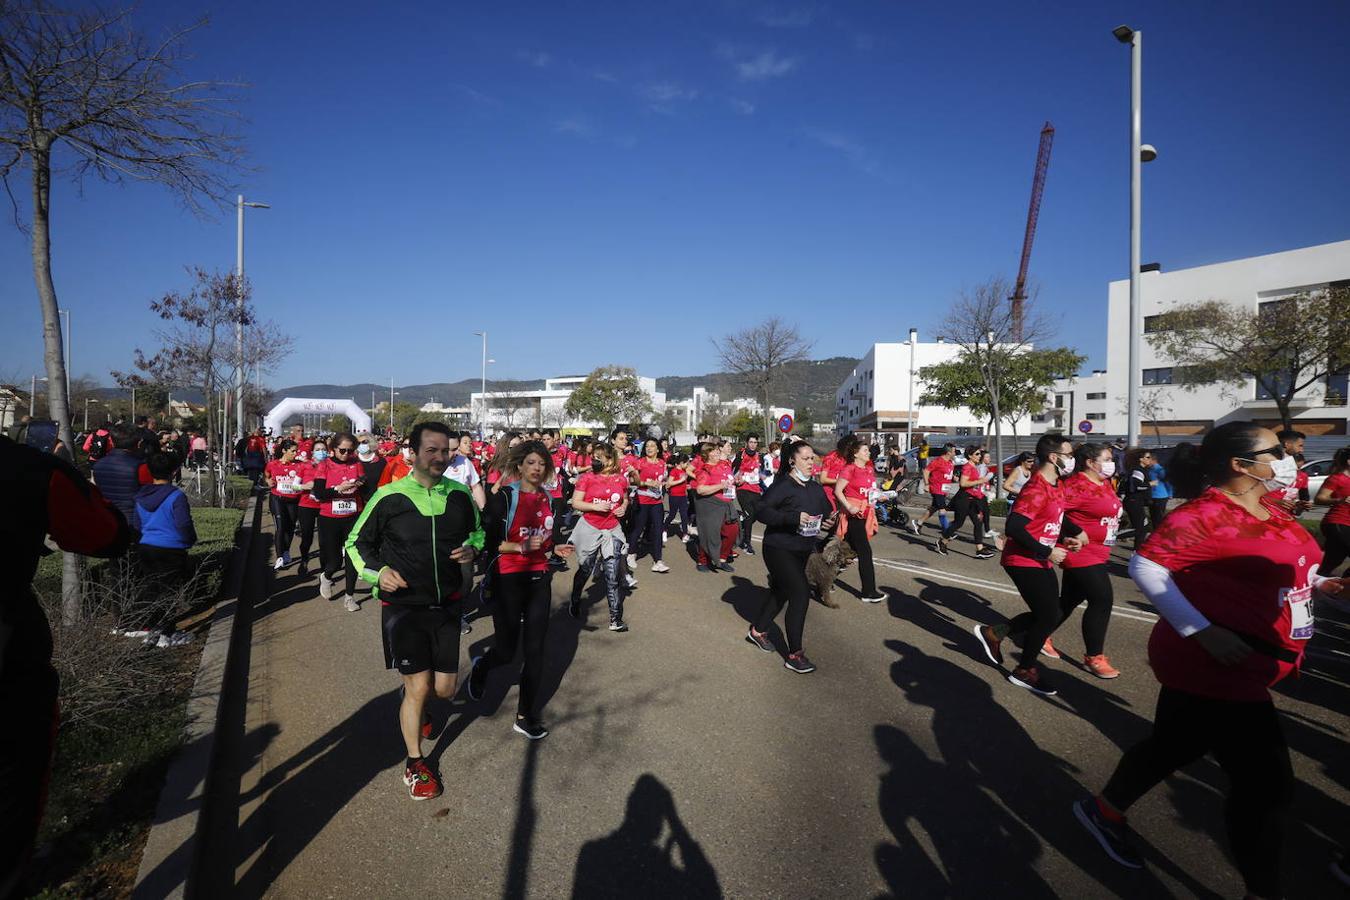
column 307, row 513
column 970, row 503
column 1212, row 569
column 853, row 491
column 1335, row 493
column 520, row 538
column 796, row 514
column 1136, row 492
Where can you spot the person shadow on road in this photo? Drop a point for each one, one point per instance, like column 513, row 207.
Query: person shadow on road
column 635, row 861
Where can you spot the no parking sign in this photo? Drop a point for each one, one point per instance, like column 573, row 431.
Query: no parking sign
column 785, row 424
column 1085, row 426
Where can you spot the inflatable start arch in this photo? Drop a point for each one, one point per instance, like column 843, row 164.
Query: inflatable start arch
column 292, row 406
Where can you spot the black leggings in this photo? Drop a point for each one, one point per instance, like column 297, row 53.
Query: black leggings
column 647, row 521
column 749, row 501
column 555, row 505
column 1337, row 538
column 284, row 515
column 857, row 539
column 1157, row 509
column 1040, row 592
column 332, row 559
column 966, row 507
column 787, row 587
column 678, row 505
column 521, row 607
column 1136, row 507
column 1093, row 584
column 307, row 517
column 1247, row 741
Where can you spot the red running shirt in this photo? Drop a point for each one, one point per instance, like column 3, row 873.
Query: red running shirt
column 1042, row 503
column 334, row 473
column 939, row 474
column 860, row 482
column 1339, row 485
column 749, row 473
column 285, row 477
column 679, row 482
column 1242, row 574
column 1095, row 508
column 830, row 467
column 306, row 472
column 717, row 473
column 593, row 488
column 650, row 471
column 533, row 518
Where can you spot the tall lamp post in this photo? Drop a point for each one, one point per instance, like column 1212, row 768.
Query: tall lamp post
column 239, row 310
column 909, row 431
column 32, row 396
column 482, row 388
column 1140, row 153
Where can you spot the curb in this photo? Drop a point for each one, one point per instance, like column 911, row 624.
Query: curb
column 170, row 859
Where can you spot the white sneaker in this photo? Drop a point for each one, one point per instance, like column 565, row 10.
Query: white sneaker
column 660, row 568
column 325, row 586
column 350, row 603
column 279, row 564
column 632, row 582
column 663, row 538
column 632, row 561
column 913, row 527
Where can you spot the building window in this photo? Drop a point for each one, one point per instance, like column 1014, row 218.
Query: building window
column 1158, row 376
column 1100, row 395
column 1096, row 417
column 1153, row 324
column 1338, row 385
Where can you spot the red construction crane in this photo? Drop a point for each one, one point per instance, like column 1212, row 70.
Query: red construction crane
column 1019, row 294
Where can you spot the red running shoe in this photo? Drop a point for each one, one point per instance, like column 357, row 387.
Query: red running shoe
column 1048, row 649
column 1101, row 666
column 421, row 781
column 426, row 727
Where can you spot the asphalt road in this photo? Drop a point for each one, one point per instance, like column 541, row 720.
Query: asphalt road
column 685, row 763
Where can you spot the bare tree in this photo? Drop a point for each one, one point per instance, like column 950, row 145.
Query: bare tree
column 85, row 81
column 511, row 404
column 980, row 321
column 756, row 355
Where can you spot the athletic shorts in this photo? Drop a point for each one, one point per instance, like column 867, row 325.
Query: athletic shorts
column 421, row 638
column 939, row 502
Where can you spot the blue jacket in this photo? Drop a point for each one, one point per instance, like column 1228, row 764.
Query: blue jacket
column 116, row 477
column 1162, row 490
column 163, row 518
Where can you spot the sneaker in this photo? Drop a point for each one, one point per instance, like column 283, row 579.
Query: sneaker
column 557, row 562
column 286, row 557
column 941, row 546
column 1113, row 836
column 660, row 568
column 664, row 536
column 421, row 781
column 1048, row 650
column 693, row 531
column 279, row 564
column 618, row 625
column 630, row 582
column 325, row 586
column 464, row 626
column 350, row 603
column 703, row 567
column 1033, row 679
column 304, row 569
column 532, row 730
column 984, row 553
column 797, row 662
column 687, row 538
column 748, row 549
column 477, row 679
column 760, row 640
column 1101, row 666
column 632, row 561
column 990, row 642
column 912, row 527
column 874, row 597
column 726, row 566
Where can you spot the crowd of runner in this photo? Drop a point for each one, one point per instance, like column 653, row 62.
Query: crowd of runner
column 439, row 520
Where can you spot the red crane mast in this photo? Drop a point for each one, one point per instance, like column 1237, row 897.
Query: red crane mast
column 1019, row 294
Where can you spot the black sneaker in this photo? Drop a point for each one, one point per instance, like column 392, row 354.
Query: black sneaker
column 984, row 553
column 477, row 679
column 990, row 643
column 574, row 608
column 797, row 662
column 760, row 640
column 1113, row 836
column 748, row 549
column 1033, row 679
column 532, row 730
column 464, row 626
column 618, row 625
column 941, row 546
column 876, row 596
column 726, row 567
column 557, row 562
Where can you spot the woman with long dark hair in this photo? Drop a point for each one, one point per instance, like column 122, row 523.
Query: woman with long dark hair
column 651, row 484
column 337, row 485
column 519, row 539
column 283, row 482
column 1232, row 579
column 969, row 503
column 1136, row 491
column 853, row 490
column 714, row 494
column 1335, row 493
column 307, row 513
column 601, row 496
column 796, row 514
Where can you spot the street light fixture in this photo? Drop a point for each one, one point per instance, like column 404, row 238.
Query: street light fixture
column 913, row 342
column 32, row 396
column 239, row 308
column 482, row 387
column 1140, row 153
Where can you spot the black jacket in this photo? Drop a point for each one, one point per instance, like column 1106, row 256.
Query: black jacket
column 781, row 508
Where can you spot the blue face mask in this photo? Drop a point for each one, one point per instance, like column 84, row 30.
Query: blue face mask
column 320, row 455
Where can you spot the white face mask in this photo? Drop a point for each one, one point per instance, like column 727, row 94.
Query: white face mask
column 801, row 476
column 1065, row 465
column 1283, row 473
column 1108, row 468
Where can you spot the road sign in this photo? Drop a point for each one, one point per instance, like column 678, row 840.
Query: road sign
column 785, row 424
column 1085, row 426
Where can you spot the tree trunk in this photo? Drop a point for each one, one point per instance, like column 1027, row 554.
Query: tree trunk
column 768, row 417
column 1282, row 403
column 54, row 357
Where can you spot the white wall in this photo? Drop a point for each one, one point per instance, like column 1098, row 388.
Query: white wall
column 880, row 382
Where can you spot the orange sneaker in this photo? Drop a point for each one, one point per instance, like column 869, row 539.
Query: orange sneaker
column 1101, row 666
column 1048, row 649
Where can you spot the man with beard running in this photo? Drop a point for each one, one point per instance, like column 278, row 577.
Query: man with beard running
column 409, row 545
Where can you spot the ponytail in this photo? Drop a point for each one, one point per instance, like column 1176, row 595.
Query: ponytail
column 1191, row 470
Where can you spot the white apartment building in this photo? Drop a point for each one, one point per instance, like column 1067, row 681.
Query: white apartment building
column 1075, row 405
column 691, row 412
column 1244, row 282
column 545, row 407
column 878, row 398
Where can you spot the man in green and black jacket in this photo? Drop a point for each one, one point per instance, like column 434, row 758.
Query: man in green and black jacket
column 409, row 544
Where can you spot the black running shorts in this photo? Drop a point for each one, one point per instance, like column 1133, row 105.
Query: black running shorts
column 939, row 502
column 421, row 638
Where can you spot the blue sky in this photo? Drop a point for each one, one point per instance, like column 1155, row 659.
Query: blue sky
column 617, row 182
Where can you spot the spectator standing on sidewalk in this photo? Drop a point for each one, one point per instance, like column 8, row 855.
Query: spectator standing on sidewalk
column 164, row 520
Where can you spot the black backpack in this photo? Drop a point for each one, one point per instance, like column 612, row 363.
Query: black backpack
column 98, row 447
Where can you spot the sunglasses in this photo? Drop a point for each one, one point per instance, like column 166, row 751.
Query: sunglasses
column 1277, row 451
column 342, row 449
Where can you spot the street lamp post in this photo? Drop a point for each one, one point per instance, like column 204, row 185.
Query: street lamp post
column 391, row 406
column 87, row 401
column 239, row 313
column 32, row 396
column 1140, row 153
column 909, row 431
column 482, row 388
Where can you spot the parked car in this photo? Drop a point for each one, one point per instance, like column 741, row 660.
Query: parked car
column 1318, row 470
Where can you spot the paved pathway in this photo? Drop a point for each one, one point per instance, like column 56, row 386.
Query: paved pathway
column 684, row 763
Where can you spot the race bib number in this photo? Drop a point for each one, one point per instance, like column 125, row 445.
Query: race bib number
column 1112, row 526
column 344, row 507
column 730, row 492
column 750, row 477
column 950, row 488
column 1300, row 611
column 650, row 492
column 811, row 528
column 551, row 485
column 288, row 484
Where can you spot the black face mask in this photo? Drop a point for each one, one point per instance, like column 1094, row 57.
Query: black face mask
column 597, row 466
